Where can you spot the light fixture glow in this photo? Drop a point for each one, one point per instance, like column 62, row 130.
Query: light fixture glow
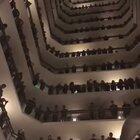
column 76, row 91
column 120, row 115
column 74, row 119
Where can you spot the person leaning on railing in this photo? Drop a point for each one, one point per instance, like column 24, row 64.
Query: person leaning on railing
column 30, row 106
column 21, row 135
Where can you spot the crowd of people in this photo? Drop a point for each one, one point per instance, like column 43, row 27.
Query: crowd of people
column 15, row 74
column 110, row 137
column 17, row 80
column 80, row 53
column 19, row 24
column 91, row 5
column 5, row 123
column 93, row 19
column 93, row 137
column 99, row 28
column 31, row 104
column 104, row 66
column 85, row 1
column 90, row 86
column 64, row 112
column 81, row 12
column 90, row 28
column 116, row 65
column 89, row 52
column 92, row 112
column 89, row 39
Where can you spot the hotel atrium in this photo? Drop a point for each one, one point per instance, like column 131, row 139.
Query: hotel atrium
column 69, row 69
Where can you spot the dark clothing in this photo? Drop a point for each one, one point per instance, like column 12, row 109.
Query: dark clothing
column 50, row 90
column 42, row 85
column 137, row 82
column 120, row 85
column 85, row 68
column 89, row 86
column 91, row 112
column 114, row 111
column 58, row 88
column 126, row 109
column 126, row 84
column 73, row 69
column 2, row 119
column 15, row 12
column 64, row 113
column 72, row 87
column 137, row 139
column 55, row 115
column 30, row 105
column 111, row 138
column 46, row 116
column 20, row 137
column 65, row 88
column 113, row 86
column 96, row 86
column 38, row 112
column 131, row 83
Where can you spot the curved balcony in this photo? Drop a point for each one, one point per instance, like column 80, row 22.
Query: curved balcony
column 86, row 1
column 73, row 47
column 89, row 5
column 105, row 15
column 27, row 120
column 82, row 12
column 95, row 23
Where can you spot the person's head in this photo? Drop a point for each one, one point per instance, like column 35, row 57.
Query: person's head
column 113, row 81
column 91, row 103
column 49, row 137
column 93, row 135
column 110, row 134
column 3, row 86
column 112, row 102
column 19, row 131
column 102, row 137
column 71, row 138
column 41, row 138
column 59, row 138
column 136, row 102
